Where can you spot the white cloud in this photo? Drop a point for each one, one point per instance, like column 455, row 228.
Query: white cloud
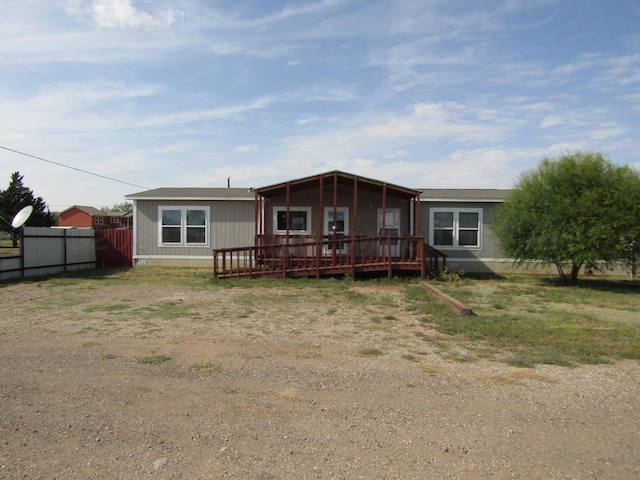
column 246, row 148
column 121, row 14
column 551, row 121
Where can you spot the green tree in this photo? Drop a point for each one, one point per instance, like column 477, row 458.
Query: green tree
column 573, row 211
column 119, row 207
column 16, row 197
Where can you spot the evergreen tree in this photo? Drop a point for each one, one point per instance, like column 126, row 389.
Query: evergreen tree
column 16, row 197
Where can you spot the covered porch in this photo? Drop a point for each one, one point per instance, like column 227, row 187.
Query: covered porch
column 332, row 223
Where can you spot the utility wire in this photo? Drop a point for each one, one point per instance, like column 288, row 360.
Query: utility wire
column 71, row 168
column 86, row 156
column 102, row 113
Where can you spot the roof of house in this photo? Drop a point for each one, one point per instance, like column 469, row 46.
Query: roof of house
column 328, row 179
column 491, row 195
column 96, row 212
column 426, row 194
column 179, row 193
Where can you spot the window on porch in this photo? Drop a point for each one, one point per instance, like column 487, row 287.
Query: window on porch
column 299, row 220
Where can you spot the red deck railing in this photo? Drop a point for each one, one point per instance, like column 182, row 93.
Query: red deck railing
column 281, row 256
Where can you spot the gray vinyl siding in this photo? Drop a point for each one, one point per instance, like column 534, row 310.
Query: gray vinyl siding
column 231, row 223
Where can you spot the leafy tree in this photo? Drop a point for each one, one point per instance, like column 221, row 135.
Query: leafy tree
column 16, row 197
column 577, row 210
column 119, row 207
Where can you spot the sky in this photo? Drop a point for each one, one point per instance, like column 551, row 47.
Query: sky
column 104, row 98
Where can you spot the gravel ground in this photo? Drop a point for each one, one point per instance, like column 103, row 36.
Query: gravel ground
column 281, row 389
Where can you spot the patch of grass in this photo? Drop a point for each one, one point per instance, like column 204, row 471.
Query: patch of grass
column 533, row 321
column 108, row 308
column 107, row 356
column 370, row 352
column 154, row 359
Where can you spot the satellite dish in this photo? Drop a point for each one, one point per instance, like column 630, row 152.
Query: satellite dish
column 22, row 216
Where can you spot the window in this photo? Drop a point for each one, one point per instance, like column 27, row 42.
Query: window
column 113, row 220
column 183, row 226
column 99, row 220
column 456, row 228
column 299, row 220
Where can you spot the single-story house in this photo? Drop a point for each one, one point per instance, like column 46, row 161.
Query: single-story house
column 334, row 215
column 80, row 216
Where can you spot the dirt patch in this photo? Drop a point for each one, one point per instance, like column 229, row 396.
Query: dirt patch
column 263, row 383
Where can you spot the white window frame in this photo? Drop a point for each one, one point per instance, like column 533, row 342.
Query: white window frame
column 277, row 210
column 183, row 226
column 456, row 227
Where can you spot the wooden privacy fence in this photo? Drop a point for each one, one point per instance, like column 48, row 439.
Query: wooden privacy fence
column 114, row 247
column 46, row 251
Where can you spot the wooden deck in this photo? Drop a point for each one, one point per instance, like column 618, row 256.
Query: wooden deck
column 317, row 257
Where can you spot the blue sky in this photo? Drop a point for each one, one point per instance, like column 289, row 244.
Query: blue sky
column 421, row 93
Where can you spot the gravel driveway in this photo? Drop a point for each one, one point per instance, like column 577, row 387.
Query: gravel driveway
column 271, row 384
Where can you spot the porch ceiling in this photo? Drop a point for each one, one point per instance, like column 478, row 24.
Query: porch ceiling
column 344, row 179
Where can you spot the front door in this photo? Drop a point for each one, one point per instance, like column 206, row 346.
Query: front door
column 336, row 229
column 391, row 229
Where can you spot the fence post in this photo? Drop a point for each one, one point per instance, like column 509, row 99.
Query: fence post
column 22, row 269
column 64, row 248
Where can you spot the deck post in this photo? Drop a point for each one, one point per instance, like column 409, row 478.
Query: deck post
column 215, row 264
column 353, row 259
column 224, row 262
column 390, row 267
column 423, row 260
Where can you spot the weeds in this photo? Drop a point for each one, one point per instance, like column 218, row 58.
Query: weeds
column 371, row 352
column 154, row 359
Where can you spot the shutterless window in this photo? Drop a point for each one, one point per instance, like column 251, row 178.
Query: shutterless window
column 456, row 228
column 299, row 220
column 184, row 226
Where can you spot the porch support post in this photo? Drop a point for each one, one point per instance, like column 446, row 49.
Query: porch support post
column 288, row 208
column 321, row 209
column 354, row 227
column 335, row 202
column 335, row 217
column 354, row 222
column 320, row 226
column 384, row 209
column 258, row 223
column 418, row 232
column 285, row 252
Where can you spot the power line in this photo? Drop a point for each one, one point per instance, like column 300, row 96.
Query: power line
column 86, row 156
column 103, row 114
column 71, row 168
